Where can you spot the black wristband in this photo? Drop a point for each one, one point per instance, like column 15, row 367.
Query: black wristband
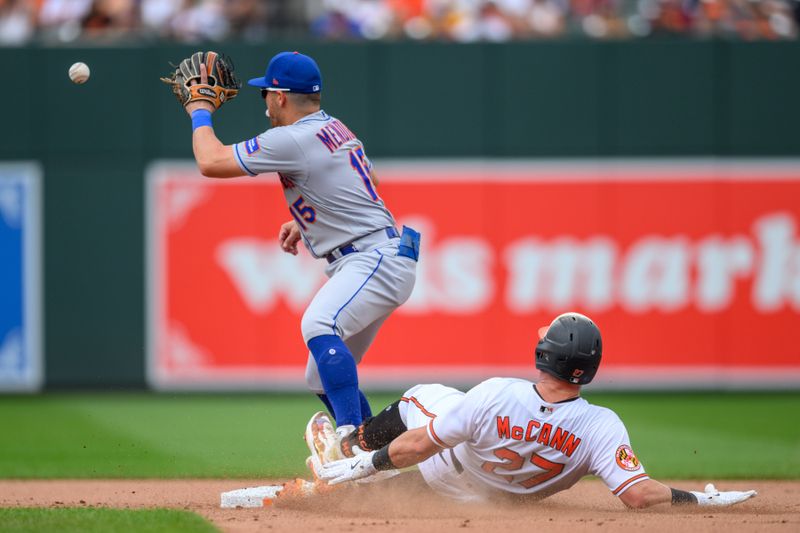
column 381, row 459
column 681, row 497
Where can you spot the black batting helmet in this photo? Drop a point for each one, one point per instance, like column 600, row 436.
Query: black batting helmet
column 571, row 349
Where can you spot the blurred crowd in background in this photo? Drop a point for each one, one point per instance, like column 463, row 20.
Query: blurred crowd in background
column 64, row 21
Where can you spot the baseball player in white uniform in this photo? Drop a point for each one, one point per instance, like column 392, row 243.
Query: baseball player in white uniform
column 330, row 189
column 507, row 435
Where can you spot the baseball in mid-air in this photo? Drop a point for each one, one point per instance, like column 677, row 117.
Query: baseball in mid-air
column 79, row 72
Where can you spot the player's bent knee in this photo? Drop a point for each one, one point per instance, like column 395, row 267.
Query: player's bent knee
column 312, row 325
column 335, row 363
column 429, row 391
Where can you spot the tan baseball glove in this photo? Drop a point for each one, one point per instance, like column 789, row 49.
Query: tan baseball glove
column 222, row 84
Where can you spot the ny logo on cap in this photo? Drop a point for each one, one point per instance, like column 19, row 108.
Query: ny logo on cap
column 275, row 81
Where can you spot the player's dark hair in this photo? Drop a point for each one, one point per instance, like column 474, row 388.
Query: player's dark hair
column 304, row 100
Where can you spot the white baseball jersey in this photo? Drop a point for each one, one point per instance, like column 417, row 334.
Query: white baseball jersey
column 325, row 175
column 502, row 436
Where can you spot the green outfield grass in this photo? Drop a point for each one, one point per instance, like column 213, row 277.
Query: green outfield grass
column 91, row 520
column 701, row 436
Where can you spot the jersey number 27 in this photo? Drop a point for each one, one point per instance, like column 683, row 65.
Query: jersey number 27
column 514, row 461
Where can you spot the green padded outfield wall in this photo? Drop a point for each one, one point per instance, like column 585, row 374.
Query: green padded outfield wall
column 546, row 99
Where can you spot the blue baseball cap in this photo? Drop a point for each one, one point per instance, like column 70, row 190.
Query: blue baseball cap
column 291, row 71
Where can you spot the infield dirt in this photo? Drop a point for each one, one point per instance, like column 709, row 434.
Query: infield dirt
column 408, row 508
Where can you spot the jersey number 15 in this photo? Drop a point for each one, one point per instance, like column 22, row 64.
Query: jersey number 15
column 359, row 161
column 302, row 211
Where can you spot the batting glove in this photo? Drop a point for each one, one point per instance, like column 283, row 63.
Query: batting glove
column 712, row 496
column 350, row 469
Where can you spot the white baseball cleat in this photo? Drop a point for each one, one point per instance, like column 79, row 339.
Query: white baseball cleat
column 323, row 441
column 313, row 464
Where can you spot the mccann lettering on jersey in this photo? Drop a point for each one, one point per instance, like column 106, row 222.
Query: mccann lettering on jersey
column 516, row 451
column 626, row 459
column 534, row 431
column 252, row 146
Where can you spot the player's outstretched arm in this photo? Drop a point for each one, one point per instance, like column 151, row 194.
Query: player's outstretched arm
column 646, row 494
column 650, row 492
column 214, row 159
column 410, row 448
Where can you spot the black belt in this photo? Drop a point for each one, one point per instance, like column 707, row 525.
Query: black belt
column 350, row 248
column 456, row 462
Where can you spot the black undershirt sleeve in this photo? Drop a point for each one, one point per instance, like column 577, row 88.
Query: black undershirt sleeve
column 377, row 431
column 681, row 497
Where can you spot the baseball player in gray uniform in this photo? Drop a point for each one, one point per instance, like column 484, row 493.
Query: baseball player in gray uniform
column 330, row 189
column 507, row 435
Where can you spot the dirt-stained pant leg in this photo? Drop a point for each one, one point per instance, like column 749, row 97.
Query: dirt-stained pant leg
column 363, row 290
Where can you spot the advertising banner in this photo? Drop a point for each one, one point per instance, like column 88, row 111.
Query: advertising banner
column 690, row 268
column 20, row 286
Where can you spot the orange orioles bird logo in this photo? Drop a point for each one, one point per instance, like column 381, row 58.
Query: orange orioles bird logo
column 627, row 459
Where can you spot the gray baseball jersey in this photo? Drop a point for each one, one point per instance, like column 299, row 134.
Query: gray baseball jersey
column 325, row 175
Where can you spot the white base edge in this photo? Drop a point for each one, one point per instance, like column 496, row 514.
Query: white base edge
column 250, row 497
